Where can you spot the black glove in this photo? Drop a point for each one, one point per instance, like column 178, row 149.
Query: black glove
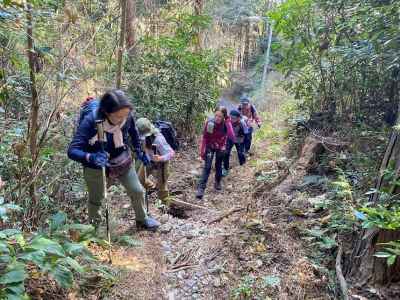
column 99, row 159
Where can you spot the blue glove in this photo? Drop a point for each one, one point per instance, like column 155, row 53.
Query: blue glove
column 99, row 159
column 143, row 157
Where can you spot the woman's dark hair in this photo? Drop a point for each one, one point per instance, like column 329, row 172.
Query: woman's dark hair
column 113, row 101
column 149, row 140
column 223, row 110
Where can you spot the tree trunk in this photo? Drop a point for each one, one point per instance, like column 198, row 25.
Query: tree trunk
column 240, row 47
column 130, row 26
column 363, row 267
column 121, row 43
column 198, row 9
column 266, row 62
column 246, row 52
column 33, row 126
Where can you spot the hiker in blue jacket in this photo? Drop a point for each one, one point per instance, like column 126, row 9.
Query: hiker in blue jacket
column 114, row 111
column 240, row 129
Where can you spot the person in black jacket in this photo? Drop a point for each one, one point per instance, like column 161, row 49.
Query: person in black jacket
column 114, row 111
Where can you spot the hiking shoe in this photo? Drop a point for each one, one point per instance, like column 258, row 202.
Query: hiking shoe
column 225, row 172
column 200, row 193
column 218, row 186
column 149, row 224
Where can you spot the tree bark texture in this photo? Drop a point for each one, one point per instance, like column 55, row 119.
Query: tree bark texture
column 121, row 44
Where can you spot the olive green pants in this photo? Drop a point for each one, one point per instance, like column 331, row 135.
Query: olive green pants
column 130, row 181
column 161, row 173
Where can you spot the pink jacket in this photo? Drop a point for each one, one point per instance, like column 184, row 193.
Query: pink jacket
column 251, row 113
column 217, row 139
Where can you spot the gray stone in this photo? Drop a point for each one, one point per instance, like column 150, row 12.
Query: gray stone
column 215, row 270
column 181, row 275
column 195, row 172
column 217, row 282
column 166, row 228
column 259, row 263
column 164, row 219
column 190, row 283
column 166, row 246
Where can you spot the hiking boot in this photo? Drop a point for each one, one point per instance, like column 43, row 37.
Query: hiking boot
column 225, row 172
column 149, row 224
column 218, row 186
column 200, row 193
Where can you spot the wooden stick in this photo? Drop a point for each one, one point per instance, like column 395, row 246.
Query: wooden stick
column 182, row 268
column 339, row 274
column 227, row 214
column 385, row 162
column 177, row 202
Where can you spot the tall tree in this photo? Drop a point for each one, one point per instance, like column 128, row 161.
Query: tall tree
column 130, row 26
column 246, row 51
column 121, row 47
column 34, row 110
column 198, row 10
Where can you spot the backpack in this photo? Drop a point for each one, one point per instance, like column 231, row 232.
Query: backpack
column 169, row 133
column 211, row 123
column 89, row 106
column 252, row 109
column 243, row 125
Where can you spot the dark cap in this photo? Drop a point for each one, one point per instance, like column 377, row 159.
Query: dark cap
column 234, row 113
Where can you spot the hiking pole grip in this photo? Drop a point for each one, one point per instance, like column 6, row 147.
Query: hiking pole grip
column 100, row 136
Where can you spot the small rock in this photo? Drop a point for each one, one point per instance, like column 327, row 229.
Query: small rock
column 166, row 246
column 215, row 270
column 243, row 257
column 282, row 163
column 181, row 275
column 190, row 283
column 187, row 227
column 194, row 172
column 259, row 262
column 189, row 235
column 217, row 282
column 166, row 228
column 164, row 219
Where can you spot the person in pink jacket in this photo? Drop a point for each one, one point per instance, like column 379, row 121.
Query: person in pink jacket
column 215, row 134
column 249, row 111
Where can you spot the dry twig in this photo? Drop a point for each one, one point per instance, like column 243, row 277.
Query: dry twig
column 227, row 214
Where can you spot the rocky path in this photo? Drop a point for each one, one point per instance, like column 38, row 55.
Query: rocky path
column 188, row 258
column 241, row 243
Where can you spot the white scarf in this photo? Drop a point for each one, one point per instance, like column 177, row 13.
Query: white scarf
column 115, row 130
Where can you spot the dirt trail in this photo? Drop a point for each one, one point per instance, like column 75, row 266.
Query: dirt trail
column 192, row 258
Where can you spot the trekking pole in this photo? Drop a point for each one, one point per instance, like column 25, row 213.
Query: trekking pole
column 146, row 194
column 100, row 133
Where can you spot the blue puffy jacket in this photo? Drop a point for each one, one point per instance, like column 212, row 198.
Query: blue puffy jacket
column 80, row 146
